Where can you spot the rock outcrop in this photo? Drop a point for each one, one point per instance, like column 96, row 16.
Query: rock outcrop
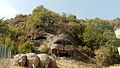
column 32, row 60
column 44, row 60
column 52, row 63
column 62, row 47
column 20, row 59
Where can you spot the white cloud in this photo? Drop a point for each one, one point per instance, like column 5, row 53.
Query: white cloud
column 7, row 11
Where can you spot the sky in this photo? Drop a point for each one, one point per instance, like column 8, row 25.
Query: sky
column 104, row 9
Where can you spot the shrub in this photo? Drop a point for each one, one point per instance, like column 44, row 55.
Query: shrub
column 13, row 48
column 107, row 55
column 26, row 48
column 45, row 49
column 87, row 51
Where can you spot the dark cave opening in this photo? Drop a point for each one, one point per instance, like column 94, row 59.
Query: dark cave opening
column 40, row 38
column 63, row 41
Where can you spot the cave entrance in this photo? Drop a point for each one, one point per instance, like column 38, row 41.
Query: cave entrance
column 41, row 38
column 65, row 54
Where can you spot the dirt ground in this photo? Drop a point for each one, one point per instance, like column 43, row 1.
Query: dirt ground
column 115, row 66
column 68, row 63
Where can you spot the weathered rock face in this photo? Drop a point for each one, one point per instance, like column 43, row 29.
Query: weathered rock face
column 55, row 44
column 69, row 48
column 44, row 60
column 63, row 41
column 36, row 37
column 62, row 47
column 20, row 59
column 117, row 33
column 52, row 63
column 32, row 60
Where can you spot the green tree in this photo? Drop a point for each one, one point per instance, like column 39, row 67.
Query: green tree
column 13, row 47
column 107, row 55
column 42, row 18
column 98, row 33
column 34, row 21
column 40, row 8
column 76, row 31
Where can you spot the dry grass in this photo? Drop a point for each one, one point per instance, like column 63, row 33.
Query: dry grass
column 5, row 63
column 114, row 66
column 63, row 63
column 13, row 66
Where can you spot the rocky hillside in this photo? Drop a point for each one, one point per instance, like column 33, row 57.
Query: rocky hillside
column 91, row 38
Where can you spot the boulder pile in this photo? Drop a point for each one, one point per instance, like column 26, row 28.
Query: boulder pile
column 32, row 60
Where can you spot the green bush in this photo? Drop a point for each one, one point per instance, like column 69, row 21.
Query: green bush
column 26, row 48
column 44, row 49
column 107, row 55
column 87, row 51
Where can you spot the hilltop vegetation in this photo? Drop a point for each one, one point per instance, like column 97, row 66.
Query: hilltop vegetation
column 95, row 36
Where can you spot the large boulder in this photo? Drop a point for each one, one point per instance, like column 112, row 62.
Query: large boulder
column 117, row 33
column 62, row 47
column 44, row 60
column 20, row 59
column 69, row 48
column 57, row 46
column 32, row 60
column 52, row 63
